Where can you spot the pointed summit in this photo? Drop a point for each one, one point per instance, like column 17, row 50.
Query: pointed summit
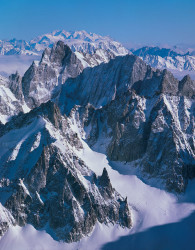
column 104, row 178
column 42, row 81
column 15, row 85
column 58, row 54
column 169, row 84
column 106, row 186
column 187, row 87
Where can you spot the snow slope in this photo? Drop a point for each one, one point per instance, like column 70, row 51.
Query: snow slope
column 9, row 105
column 152, row 206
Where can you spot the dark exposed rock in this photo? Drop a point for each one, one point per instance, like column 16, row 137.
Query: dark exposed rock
column 124, row 213
column 155, row 83
column 15, row 85
column 187, row 87
column 104, row 181
column 169, row 84
column 18, row 203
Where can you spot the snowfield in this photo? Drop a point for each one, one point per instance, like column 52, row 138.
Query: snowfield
column 161, row 220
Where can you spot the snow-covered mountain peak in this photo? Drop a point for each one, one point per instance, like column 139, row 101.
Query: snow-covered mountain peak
column 81, row 41
column 72, row 35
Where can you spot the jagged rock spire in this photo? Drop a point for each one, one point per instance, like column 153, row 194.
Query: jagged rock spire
column 104, row 178
column 15, row 85
column 42, row 80
column 105, row 183
column 187, row 87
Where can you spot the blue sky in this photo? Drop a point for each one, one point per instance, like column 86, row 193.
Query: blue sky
column 139, row 21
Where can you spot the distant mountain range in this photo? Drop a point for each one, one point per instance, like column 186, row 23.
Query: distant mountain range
column 164, row 58
column 92, row 50
column 77, row 40
column 102, row 49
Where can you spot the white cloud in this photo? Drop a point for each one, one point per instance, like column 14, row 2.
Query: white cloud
column 11, row 64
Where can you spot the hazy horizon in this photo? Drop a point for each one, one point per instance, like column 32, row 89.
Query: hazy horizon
column 140, row 22
column 127, row 44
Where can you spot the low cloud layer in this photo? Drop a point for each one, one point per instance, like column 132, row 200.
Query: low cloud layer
column 11, row 64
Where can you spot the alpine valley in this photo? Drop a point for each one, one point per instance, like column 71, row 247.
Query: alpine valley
column 97, row 147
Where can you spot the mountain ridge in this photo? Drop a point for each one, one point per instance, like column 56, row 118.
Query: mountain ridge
column 93, row 49
column 132, row 113
column 50, row 180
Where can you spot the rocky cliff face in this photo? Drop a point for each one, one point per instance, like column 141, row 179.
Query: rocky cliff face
column 15, row 85
column 42, row 80
column 100, row 85
column 145, row 116
column 43, row 180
